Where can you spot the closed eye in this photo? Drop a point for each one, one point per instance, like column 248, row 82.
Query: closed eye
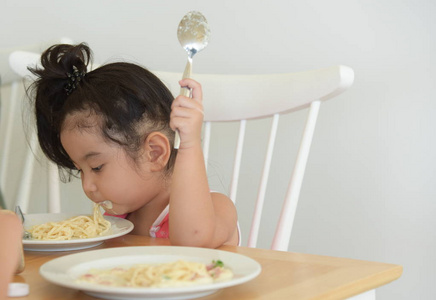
column 97, row 169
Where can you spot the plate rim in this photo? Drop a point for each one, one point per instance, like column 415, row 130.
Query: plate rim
column 29, row 243
column 124, row 251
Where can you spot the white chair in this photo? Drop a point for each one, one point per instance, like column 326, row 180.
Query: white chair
column 240, row 98
column 13, row 77
column 246, row 97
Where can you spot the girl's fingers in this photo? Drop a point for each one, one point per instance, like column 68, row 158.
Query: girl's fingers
column 185, row 112
column 195, row 87
column 186, row 102
column 183, row 102
column 182, row 122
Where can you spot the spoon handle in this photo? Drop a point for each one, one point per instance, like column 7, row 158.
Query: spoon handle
column 184, row 91
column 187, row 74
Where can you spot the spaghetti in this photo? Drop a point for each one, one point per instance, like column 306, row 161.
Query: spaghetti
column 80, row 227
column 172, row 274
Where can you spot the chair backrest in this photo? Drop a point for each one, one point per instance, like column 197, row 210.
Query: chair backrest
column 245, row 97
column 241, row 98
column 14, row 68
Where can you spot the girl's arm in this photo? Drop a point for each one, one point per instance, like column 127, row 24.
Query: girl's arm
column 10, row 236
column 197, row 217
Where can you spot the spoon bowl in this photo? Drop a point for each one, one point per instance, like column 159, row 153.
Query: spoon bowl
column 193, row 34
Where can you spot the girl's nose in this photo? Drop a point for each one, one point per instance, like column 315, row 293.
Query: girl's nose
column 88, row 184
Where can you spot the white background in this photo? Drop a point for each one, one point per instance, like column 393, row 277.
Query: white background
column 369, row 190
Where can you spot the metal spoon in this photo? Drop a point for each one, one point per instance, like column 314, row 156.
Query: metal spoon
column 193, row 34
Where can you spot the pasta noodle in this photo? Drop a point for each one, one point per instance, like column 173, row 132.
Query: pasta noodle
column 80, row 227
column 172, row 274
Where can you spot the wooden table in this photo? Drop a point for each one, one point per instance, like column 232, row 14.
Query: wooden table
column 285, row 275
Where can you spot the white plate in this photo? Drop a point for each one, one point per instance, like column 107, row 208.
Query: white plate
column 119, row 227
column 65, row 270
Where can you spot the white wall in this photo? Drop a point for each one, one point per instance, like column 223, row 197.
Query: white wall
column 369, row 190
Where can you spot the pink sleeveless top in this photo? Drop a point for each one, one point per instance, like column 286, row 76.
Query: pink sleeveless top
column 160, row 227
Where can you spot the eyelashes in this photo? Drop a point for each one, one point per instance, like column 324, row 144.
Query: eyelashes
column 97, row 169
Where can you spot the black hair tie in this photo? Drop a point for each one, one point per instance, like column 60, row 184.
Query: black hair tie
column 73, row 80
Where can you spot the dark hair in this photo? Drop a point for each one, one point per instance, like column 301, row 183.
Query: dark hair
column 129, row 101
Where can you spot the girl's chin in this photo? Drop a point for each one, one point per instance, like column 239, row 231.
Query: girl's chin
column 113, row 212
column 107, row 205
column 109, row 208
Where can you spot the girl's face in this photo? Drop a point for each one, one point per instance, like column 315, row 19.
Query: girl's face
column 108, row 173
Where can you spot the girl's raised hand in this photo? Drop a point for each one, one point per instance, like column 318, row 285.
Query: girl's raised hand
column 187, row 114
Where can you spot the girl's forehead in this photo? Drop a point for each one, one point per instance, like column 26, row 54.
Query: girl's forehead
column 84, row 126
column 80, row 142
column 82, row 120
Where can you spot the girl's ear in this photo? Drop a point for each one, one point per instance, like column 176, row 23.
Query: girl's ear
column 158, row 150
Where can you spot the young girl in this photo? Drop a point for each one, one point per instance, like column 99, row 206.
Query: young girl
column 115, row 126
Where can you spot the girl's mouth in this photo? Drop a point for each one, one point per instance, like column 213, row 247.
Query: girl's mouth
column 108, row 207
column 107, row 204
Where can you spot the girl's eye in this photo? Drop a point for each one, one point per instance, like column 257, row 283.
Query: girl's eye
column 97, row 169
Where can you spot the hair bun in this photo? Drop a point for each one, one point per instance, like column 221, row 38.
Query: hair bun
column 63, row 67
column 63, row 58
